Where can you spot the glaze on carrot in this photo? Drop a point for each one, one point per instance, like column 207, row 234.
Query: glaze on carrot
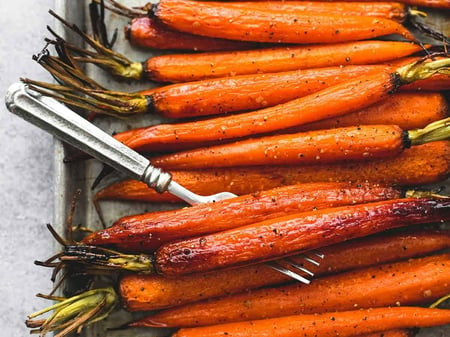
column 423, row 164
column 280, row 237
column 146, row 32
column 150, row 292
column 264, row 25
column 146, row 232
column 188, row 67
column 343, row 323
column 413, row 282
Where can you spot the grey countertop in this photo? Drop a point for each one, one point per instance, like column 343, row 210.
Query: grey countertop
column 26, row 174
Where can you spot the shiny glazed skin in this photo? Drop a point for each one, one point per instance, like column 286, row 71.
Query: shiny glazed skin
column 292, row 234
column 146, row 232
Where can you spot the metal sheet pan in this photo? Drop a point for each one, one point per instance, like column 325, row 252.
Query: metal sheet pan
column 80, row 175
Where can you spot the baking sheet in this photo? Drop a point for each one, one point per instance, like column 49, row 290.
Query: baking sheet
column 81, row 175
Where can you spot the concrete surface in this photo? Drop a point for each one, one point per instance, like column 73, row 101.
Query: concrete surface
column 26, row 177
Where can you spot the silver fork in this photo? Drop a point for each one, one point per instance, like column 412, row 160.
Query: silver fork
column 65, row 124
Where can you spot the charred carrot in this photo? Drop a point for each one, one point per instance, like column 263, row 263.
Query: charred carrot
column 342, row 323
column 292, row 234
column 380, row 286
column 149, row 292
column 331, row 102
column 391, row 333
column 146, row 232
column 319, row 146
column 265, row 25
column 407, row 110
column 423, row 164
column 146, row 32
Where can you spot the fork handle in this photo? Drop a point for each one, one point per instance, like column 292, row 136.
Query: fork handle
column 65, row 124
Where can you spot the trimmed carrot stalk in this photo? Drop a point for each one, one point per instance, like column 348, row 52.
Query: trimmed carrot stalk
column 331, row 102
column 150, row 292
column 343, row 323
column 380, row 286
column 353, row 143
column 188, row 67
column 407, row 110
column 247, row 92
column 146, row 32
column 280, row 237
column 146, row 232
column 390, row 10
column 265, row 25
column 423, row 164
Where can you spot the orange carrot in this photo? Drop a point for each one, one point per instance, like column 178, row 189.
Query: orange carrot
column 146, row 32
column 423, row 164
column 407, row 110
column 413, row 282
column 148, row 231
column 310, row 147
column 188, row 67
column 265, row 25
column 390, row 10
column 149, row 292
column 343, row 323
column 334, row 101
column 390, row 333
column 280, row 237
column 246, row 92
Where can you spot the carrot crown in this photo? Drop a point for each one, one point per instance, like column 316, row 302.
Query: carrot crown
column 439, row 130
column 422, row 69
column 74, row 313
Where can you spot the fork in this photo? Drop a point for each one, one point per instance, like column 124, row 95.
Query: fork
column 57, row 119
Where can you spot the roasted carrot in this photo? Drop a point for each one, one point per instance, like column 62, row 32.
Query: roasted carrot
column 319, row 146
column 149, row 292
column 146, row 32
column 413, row 282
column 342, row 323
column 331, row 102
column 265, row 25
column 423, row 164
column 292, row 234
column 146, row 232
column 407, row 110
column 390, row 10
column 247, row 92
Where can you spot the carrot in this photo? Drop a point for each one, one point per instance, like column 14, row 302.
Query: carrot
column 246, row 92
column 146, row 232
column 407, row 110
column 146, row 32
column 334, row 101
column 318, row 146
column 188, row 67
column 149, row 292
column 390, row 10
column 423, row 164
column 391, row 333
column 343, row 323
column 413, row 282
column 265, row 25
column 280, row 237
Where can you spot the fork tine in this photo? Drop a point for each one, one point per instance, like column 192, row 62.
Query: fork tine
column 298, row 266
column 276, row 266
